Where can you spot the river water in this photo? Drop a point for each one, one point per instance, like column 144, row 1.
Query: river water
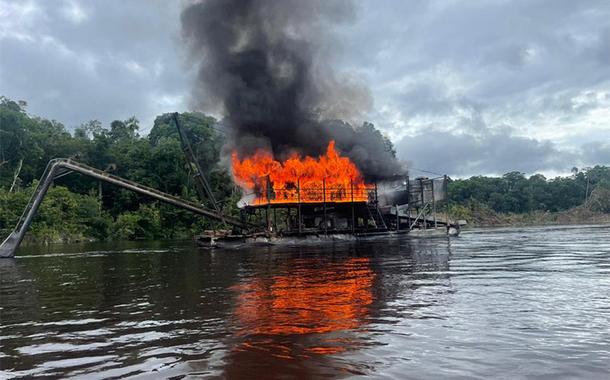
column 503, row 303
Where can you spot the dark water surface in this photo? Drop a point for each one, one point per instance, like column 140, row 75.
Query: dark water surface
column 504, row 303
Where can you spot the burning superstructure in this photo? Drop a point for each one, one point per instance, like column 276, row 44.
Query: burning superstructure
column 328, row 178
column 323, row 191
column 329, row 195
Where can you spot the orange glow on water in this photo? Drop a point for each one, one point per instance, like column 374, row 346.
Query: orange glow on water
column 330, row 177
column 308, row 301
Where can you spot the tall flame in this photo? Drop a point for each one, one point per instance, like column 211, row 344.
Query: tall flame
column 330, row 178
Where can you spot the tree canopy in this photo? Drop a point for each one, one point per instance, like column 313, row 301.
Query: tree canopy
column 81, row 206
column 27, row 143
column 514, row 192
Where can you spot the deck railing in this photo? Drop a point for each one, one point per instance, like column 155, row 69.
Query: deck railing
column 311, row 194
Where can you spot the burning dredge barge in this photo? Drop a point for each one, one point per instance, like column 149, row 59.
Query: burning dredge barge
column 295, row 201
column 261, row 66
column 326, row 198
column 298, row 214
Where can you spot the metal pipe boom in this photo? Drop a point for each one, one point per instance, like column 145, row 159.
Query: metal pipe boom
column 61, row 166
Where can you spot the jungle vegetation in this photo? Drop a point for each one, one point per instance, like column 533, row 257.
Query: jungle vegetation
column 78, row 207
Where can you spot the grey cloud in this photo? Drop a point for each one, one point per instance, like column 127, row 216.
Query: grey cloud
column 425, row 98
column 597, row 152
column 465, row 154
column 532, row 64
column 104, row 60
column 484, row 37
column 443, row 72
column 602, row 49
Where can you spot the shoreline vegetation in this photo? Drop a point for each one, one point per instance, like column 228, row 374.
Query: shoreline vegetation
column 78, row 208
column 575, row 216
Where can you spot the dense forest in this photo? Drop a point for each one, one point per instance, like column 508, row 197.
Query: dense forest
column 513, row 192
column 78, row 207
column 585, row 194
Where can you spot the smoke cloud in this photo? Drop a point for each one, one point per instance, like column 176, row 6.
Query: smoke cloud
column 266, row 66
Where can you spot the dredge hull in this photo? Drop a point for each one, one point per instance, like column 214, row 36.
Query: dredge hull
column 238, row 241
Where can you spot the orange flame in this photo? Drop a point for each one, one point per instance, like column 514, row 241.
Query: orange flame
column 330, row 178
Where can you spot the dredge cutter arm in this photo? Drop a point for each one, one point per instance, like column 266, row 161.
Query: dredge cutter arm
column 60, row 167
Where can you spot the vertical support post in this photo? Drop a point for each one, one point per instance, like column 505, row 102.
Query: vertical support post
column 353, row 212
column 433, row 203
column 376, row 207
column 376, row 199
column 324, row 203
column 445, row 188
column 408, row 188
column 423, row 202
column 242, row 216
column 397, row 218
column 299, row 204
column 268, row 195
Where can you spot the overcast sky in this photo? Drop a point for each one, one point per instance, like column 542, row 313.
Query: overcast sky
column 461, row 87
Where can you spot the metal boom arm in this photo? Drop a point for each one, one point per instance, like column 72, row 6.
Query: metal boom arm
column 201, row 183
column 61, row 166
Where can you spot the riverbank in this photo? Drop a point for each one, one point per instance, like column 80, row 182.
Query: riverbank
column 484, row 217
column 476, row 217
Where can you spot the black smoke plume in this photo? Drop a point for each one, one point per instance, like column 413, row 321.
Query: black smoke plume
column 267, row 66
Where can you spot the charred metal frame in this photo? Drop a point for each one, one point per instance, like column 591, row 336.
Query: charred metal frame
column 351, row 209
column 419, row 210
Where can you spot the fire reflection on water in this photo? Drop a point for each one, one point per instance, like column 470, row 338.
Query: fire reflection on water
column 328, row 299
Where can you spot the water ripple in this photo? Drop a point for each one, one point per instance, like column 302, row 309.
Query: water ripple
column 507, row 303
